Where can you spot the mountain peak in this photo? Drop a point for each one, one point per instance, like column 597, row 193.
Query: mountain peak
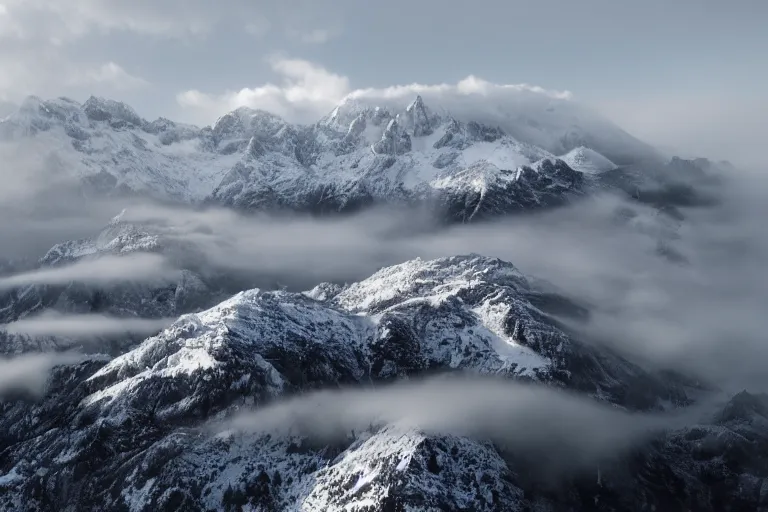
column 417, row 103
column 102, row 109
column 419, row 118
column 588, row 161
column 394, row 140
column 31, row 102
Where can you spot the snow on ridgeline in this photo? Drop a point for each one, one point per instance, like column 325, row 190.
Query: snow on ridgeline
column 588, row 161
column 381, row 144
column 462, row 313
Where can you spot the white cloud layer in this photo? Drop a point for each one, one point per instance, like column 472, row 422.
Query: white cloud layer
column 62, row 21
column 141, row 267
column 38, row 56
column 52, row 323
column 308, row 91
column 523, row 419
column 29, row 372
column 718, row 126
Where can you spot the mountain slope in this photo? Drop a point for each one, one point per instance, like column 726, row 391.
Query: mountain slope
column 189, row 289
column 360, row 154
column 104, row 431
column 125, row 435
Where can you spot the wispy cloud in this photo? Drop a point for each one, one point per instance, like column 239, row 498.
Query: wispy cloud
column 523, row 419
column 30, row 372
column 650, row 309
column 693, row 125
column 52, row 323
column 309, row 91
column 79, row 18
column 141, row 267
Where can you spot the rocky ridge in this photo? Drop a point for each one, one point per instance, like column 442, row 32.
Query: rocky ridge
column 359, row 155
column 100, row 437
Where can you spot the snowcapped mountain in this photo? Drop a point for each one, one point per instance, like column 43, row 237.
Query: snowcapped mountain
column 186, row 290
column 131, row 417
column 588, row 161
column 124, row 436
column 361, row 153
column 139, row 431
column 107, row 147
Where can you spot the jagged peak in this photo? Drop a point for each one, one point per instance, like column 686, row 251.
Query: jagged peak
column 417, row 103
column 249, row 120
column 248, row 112
column 34, row 103
column 30, row 102
column 554, row 166
column 68, row 100
column 357, row 126
column 118, row 219
column 440, row 277
column 744, row 406
column 588, row 161
column 420, row 119
column 35, row 113
column 104, row 109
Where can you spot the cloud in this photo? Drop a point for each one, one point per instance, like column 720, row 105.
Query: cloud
column 7, row 108
column 307, row 91
column 30, row 166
column 279, row 248
column 140, row 267
column 29, row 373
column 470, row 85
column 522, row 419
column 52, row 323
column 38, row 52
column 109, row 74
column 55, row 21
column 705, row 317
column 9, row 27
column 55, row 73
column 692, row 125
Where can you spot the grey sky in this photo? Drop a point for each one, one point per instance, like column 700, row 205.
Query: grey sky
column 687, row 74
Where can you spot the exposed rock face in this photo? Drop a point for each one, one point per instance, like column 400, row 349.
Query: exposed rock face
column 420, row 120
column 250, row 159
column 134, row 432
column 121, row 436
column 394, row 141
column 185, row 291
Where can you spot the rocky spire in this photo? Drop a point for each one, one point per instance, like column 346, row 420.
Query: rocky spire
column 394, row 141
column 418, row 117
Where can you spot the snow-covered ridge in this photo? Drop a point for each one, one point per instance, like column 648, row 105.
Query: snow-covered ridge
column 137, row 416
column 588, row 161
column 190, row 289
column 360, row 153
column 468, row 313
column 551, row 121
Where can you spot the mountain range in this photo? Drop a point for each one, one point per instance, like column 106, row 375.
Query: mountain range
column 156, row 423
column 357, row 155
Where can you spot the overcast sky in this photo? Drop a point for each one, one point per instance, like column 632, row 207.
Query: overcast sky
column 688, row 74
